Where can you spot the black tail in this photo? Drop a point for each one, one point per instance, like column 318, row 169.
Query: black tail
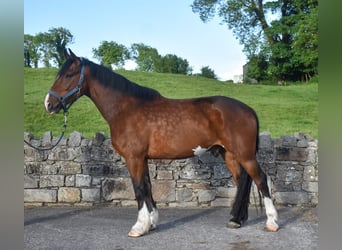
column 240, row 207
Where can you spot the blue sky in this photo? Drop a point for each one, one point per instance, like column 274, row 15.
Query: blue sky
column 169, row 26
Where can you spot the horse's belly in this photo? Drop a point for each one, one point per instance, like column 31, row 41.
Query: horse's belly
column 179, row 144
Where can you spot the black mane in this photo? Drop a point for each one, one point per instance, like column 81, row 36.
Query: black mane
column 117, row 82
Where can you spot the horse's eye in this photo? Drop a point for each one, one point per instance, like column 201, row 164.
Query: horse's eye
column 68, row 76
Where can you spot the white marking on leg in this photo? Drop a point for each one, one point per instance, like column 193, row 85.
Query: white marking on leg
column 143, row 223
column 46, row 102
column 154, row 218
column 198, row 151
column 272, row 215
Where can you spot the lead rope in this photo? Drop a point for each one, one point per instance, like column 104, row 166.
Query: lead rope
column 59, row 140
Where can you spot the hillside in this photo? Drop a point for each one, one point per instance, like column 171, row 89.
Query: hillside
column 282, row 110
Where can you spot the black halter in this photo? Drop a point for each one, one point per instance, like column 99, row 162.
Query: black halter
column 77, row 90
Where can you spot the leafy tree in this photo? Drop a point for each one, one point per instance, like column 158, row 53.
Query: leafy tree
column 206, row 71
column 53, row 43
column 145, row 56
column 274, row 30
column 173, row 64
column 110, row 52
column 31, row 51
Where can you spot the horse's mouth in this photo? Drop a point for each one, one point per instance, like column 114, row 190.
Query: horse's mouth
column 52, row 107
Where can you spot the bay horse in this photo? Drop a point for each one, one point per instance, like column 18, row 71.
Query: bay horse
column 145, row 125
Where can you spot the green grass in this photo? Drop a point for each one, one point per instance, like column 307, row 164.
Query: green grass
column 282, row 110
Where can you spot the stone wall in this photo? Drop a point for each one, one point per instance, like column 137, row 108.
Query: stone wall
column 83, row 172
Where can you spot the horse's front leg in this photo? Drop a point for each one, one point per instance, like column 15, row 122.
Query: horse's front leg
column 148, row 213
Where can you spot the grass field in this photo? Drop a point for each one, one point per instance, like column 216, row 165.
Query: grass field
column 282, row 110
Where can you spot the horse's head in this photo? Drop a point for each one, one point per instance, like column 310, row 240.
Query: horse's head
column 68, row 86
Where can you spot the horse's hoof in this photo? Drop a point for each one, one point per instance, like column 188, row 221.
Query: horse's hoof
column 134, row 234
column 271, row 227
column 233, row 224
column 153, row 227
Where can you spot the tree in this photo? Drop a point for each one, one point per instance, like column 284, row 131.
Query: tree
column 173, row 64
column 47, row 47
column 110, row 52
column 31, row 51
column 207, row 72
column 145, row 57
column 276, row 30
column 53, row 43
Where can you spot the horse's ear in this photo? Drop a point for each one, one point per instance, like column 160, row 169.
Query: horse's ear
column 72, row 55
column 66, row 54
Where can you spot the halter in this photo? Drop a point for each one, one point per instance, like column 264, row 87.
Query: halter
column 77, row 90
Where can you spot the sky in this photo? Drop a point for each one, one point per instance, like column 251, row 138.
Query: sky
column 169, row 26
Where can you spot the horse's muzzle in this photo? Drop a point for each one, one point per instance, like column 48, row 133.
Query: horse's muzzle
column 52, row 107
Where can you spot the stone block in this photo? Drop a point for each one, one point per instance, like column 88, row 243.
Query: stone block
column 288, row 175
column 291, row 154
column 99, row 138
column 310, row 187
column 47, row 139
column 164, row 175
column 265, row 140
column 69, row 167
column 64, row 154
column 83, row 180
column 107, row 169
column 31, row 154
column 313, row 199
column 49, row 169
column 206, row 195
column 62, row 142
column 312, row 156
column 117, row 188
column 309, row 174
column 69, row 194
column 129, row 203
column 302, row 144
column 86, row 143
column 281, row 186
column 194, row 172
column 193, row 184
column 40, row 195
column 84, row 155
column 28, row 136
column 221, row 171
column 33, row 168
column 288, row 141
column 51, row 181
column 164, row 190
column 98, row 154
column 97, row 180
column 183, row 195
column 152, row 170
column 90, row 195
column 75, row 139
column 70, row 180
column 226, row 192
column 30, row 182
column 293, row 198
column 265, row 155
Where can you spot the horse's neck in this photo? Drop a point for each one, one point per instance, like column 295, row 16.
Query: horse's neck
column 110, row 103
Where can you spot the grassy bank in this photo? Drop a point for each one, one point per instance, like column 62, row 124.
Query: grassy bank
column 282, row 110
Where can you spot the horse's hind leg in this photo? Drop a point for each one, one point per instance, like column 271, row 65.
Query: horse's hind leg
column 244, row 182
column 148, row 213
column 260, row 179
